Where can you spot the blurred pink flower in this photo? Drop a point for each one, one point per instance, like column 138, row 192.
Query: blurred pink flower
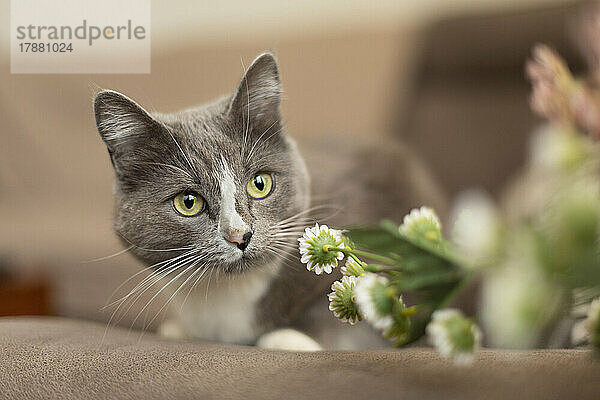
column 585, row 105
column 552, row 82
column 558, row 96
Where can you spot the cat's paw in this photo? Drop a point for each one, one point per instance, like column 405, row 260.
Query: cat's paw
column 288, row 339
column 171, row 330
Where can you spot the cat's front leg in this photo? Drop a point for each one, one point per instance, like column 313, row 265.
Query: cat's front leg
column 288, row 339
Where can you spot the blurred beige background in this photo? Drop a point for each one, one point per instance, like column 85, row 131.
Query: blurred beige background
column 444, row 75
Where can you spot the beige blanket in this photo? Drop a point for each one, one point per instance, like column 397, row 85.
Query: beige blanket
column 43, row 358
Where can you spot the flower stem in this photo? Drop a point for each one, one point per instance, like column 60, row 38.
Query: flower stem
column 372, row 256
column 348, row 252
column 464, row 282
column 377, row 268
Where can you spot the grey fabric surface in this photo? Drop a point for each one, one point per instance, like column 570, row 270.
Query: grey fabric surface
column 42, row 358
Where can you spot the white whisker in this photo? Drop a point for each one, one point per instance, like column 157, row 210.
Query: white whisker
column 167, row 262
column 182, row 152
column 161, row 290
column 194, row 264
column 194, row 285
column 284, row 258
column 302, row 213
column 110, row 256
column 153, row 279
column 247, row 128
column 122, row 301
column 170, row 166
column 260, row 137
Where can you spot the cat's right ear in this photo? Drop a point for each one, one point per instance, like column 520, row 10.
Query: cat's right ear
column 258, row 95
column 121, row 122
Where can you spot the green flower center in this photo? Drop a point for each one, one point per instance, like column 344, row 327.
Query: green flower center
column 460, row 334
column 353, row 268
column 400, row 330
column 319, row 248
column 381, row 299
column 425, row 229
column 344, row 303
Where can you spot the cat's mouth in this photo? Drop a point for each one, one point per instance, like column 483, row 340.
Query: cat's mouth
column 237, row 256
column 237, row 265
column 238, row 261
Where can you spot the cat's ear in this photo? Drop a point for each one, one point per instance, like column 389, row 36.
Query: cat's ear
column 121, row 120
column 259, row 93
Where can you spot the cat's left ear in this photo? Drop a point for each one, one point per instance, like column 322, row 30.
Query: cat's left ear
column 259, row 93
column 126, row 128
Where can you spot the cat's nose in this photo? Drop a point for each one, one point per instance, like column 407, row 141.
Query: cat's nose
column 239, row 238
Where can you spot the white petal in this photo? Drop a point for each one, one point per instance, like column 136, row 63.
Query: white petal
column 314, row 230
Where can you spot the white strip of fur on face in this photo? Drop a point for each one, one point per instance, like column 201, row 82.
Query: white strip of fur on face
column 229, row 219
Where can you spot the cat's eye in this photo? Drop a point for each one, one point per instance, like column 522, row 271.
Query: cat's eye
column 260, row 185
column 188, row 203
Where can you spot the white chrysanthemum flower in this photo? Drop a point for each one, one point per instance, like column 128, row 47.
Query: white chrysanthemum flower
column 373, row 303
column 592, row 323
column 422, row 223
column 352, row 268
column 454, row 336
column 341, row 300
column 475, row 225
column 312, row 252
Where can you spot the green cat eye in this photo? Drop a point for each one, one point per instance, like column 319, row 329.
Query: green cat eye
column 260, row 186
column 188, row 203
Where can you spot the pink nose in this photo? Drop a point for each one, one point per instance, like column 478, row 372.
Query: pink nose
column 235, row 236
column 239, row 238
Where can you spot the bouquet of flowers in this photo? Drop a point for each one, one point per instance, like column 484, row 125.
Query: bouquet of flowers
column 382, row 263
column 537, row 258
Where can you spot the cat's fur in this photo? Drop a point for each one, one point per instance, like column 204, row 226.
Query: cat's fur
column 239, row 295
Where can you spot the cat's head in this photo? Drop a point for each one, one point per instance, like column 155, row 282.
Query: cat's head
column 215, row 183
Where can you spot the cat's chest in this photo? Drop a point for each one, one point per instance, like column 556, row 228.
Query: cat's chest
column 224, row 310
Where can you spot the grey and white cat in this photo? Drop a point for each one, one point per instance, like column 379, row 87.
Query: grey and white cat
column 214, row 198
